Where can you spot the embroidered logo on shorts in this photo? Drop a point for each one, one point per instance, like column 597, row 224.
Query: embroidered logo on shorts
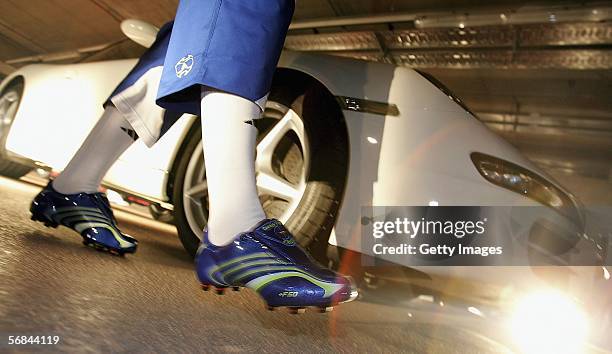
column 183, row 67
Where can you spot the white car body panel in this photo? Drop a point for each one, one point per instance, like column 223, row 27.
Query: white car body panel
column 420, row 156
column 66, row 101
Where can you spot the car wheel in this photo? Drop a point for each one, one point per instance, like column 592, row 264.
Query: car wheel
column 301, row 166
column 9, row 103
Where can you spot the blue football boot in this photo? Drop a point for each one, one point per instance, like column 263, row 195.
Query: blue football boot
column 89, row 214
column 268, row 260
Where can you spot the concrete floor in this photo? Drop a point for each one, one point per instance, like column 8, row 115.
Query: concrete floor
column 50, row 284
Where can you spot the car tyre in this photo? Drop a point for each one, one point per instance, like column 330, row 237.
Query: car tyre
column 312, row 219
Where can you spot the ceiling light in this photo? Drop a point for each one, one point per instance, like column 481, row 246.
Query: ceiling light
column 475, row 311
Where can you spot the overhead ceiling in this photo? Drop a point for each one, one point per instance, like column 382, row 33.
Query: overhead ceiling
column 45, row 29
column 537, row 73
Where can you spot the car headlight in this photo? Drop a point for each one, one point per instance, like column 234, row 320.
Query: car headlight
column 520, row 180
column 549, row 322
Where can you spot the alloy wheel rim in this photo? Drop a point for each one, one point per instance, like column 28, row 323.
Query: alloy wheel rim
column 281, row 165
column 8, row 109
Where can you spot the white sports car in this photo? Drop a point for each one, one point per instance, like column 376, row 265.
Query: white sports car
column 337, row 134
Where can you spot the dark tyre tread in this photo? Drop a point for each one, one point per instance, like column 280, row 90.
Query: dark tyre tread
column 12, row 169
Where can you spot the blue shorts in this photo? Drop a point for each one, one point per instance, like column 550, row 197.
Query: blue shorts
column 227, row 45
column 153, row 57
column 135, row 96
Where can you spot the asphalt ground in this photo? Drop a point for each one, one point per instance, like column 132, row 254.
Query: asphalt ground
column 50, row 284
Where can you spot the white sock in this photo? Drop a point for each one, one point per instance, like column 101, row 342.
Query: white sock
column 229, row 156
column 109, row 138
